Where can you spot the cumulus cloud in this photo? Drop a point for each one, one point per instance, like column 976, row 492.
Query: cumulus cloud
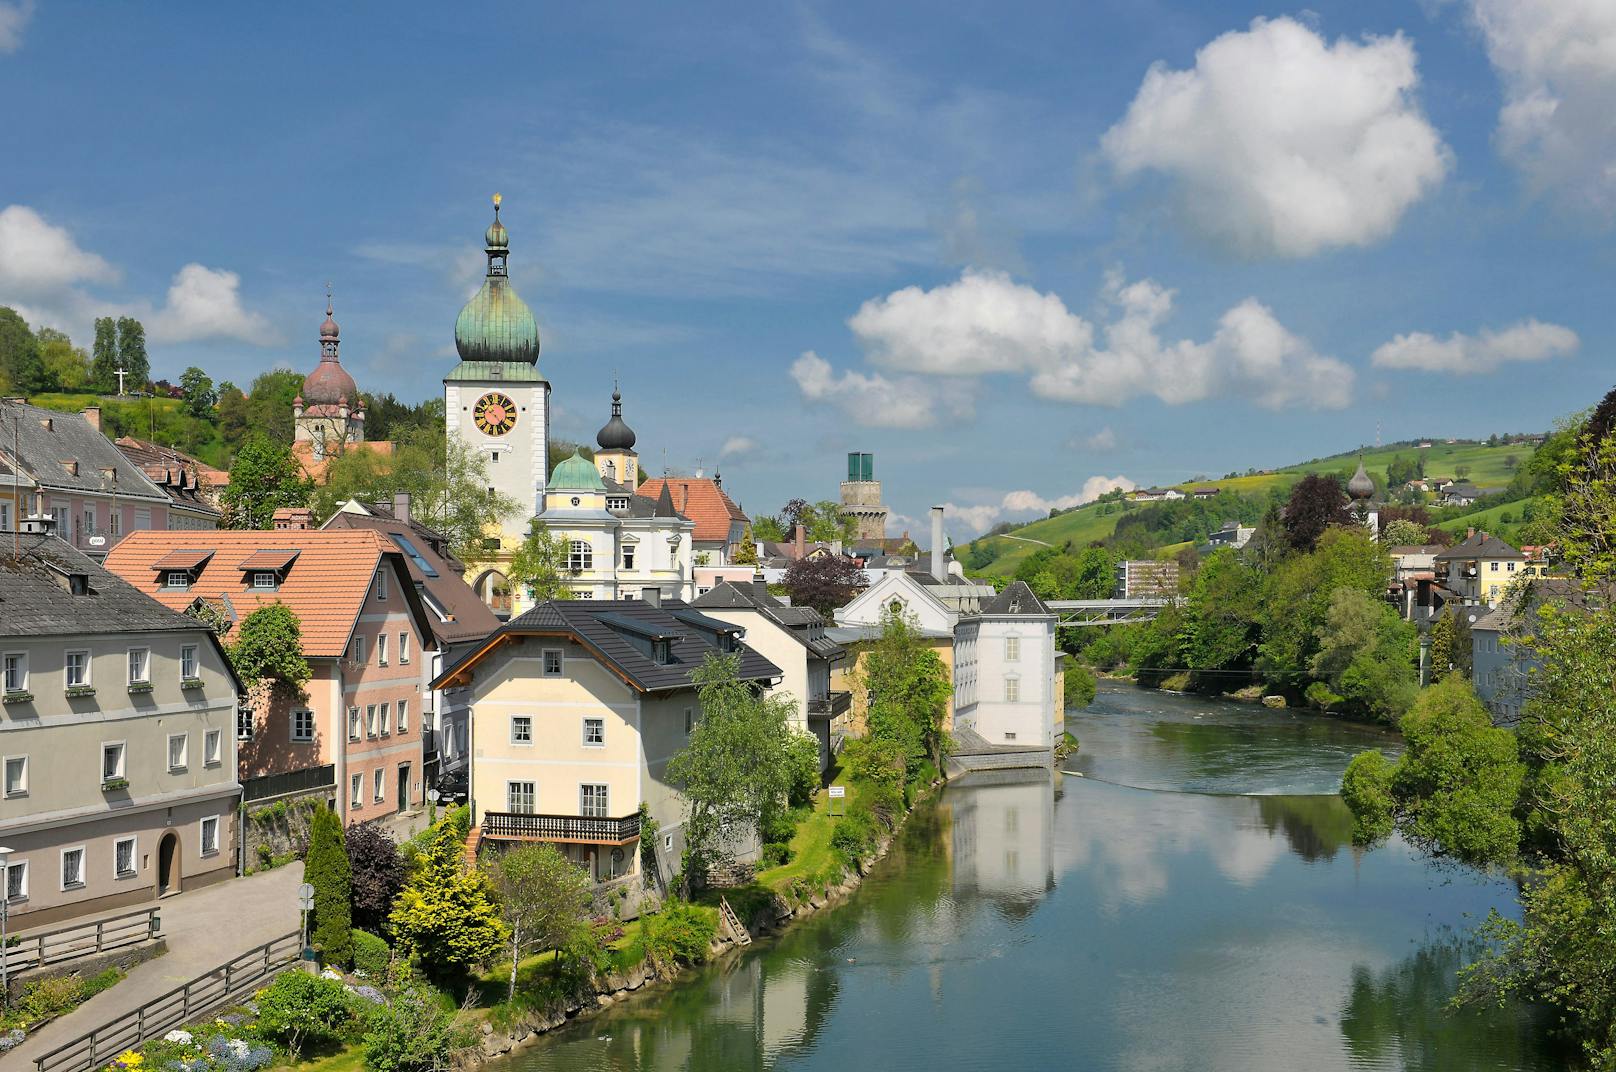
column 37, row 257
column 1280, row 143
column 1023, row 503
column 205, row 303
column 1103, row 440
column 873, row 400
column 1528, row 341
column 1557, row 62
column 14, row 16
column 737, row 445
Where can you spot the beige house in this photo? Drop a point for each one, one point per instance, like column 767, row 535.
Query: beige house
column 117, row 741
column 576, row 708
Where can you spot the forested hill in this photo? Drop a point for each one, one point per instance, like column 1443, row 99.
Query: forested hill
column 1498, row 466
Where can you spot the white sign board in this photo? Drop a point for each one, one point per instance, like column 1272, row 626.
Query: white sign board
column 838, row 791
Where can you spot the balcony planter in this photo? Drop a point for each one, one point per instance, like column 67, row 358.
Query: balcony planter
column 80, row 690
column 140, row 686
column 191, row 683
column 17, row 697
column 113, row 784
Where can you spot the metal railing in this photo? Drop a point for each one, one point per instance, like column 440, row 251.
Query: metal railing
column 520, row 826
column 179, row 1006
column 837, row 703
column 80, row 940
column 279, row 785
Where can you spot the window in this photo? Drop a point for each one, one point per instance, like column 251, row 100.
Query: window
column 628, row 556
column 519, row 797
column 263, row 579
column 381, row 584
column 552, row 662
column 380, row 789
column 1012, row 690
column 387, row 718
column 1012, row 649
column 1493, row 566
column 302, row 724
column 78, row 669
column 370, row 720
column 1009, row 736
column 358, row 654
column 580, row 556
column 17, row 881
column 592, row 801
column 139, row 666
column 1510, row 567
column 244, row 724
column 73, row 868
column 404, row 648
column 381, row 649
column 16, row 776
column 521, row 729
column 114, row 522
column 5, row 516
column 210, row 835
column 178, row 745
column 403, row 716
column 111, row 760
column 594, row 732
column 177, row 579
column 123, row 857
column 353, row 724
column 213, row 748
column 690, row 720
column 357, row 790
column 188, row 662
column 16, row 671
column 661, row 652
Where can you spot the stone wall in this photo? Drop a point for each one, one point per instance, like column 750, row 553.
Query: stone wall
column 279, row 828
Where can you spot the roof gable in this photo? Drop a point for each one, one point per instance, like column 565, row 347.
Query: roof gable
column 701, row 500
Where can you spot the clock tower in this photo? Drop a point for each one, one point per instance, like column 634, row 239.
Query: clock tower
column 498, row 406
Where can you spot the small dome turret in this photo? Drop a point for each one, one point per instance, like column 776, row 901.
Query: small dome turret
column 615, row 434
column 1361, row 486
column 496, row 325
column 576, row 473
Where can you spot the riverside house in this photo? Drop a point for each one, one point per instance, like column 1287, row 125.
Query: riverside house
column 354, row 736
column 117, row 739
column 576, row 708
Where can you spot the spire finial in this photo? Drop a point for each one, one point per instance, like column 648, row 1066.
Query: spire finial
column 328, row 297
column 497, row 200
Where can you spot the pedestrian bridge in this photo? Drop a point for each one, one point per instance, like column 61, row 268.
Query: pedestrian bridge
column 1081, row 612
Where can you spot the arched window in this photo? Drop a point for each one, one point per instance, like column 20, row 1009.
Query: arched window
column 580, row 557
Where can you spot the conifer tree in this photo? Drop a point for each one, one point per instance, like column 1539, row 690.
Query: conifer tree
column 445, row 918
column 326, row 869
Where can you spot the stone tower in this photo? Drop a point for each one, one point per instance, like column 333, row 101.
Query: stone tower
column 328, row 412
column 861, row 498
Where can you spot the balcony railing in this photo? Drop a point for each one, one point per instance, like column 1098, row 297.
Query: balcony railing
column 520, row 826
column 837, row 703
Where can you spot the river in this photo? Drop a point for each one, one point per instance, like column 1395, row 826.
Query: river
column 1192, row 901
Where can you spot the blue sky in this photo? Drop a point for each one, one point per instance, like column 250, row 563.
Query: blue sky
column 1018, row 251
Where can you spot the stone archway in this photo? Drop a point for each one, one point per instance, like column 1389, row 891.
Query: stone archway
column 494, row 589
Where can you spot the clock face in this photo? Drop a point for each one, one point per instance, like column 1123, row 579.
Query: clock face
column 495, row 414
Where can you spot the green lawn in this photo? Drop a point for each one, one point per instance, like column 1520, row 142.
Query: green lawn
column 1081, row 527
column 162, row 420
column 1488, row 520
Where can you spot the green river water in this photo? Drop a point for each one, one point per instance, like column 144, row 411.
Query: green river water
column 1192, row 901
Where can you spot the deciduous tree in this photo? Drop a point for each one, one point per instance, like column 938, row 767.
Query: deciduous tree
column 824, row 582
column 1365, row 655
column 540, row 565
column 21, row 370
column 1316, row 503
column 544, row 899
column 104, row 356
column 263, row 478
column 66, row 367
column 377, row 874
column 132, row 353
column 199, row 393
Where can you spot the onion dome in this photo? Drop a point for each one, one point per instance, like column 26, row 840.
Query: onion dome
column 329, row 384
column 616, row 435
column 1360, row 487
column 576, row 473
column 496, row 325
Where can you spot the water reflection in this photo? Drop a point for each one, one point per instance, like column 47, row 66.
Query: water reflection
column 1002, row 825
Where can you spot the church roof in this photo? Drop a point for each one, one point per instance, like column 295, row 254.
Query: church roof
column 329, row 384
column 576, row 473
column 496, row 325
column 616, row 435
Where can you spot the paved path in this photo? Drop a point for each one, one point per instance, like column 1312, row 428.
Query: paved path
column 204, row 929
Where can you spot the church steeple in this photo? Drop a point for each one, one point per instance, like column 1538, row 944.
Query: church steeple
column 496, row 325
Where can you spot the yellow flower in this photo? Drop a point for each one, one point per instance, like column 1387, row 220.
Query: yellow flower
column 129, row 1059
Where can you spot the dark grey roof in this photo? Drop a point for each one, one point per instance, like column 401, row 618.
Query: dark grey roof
column 614, row 628
column 1479, row 545
column 433, row 570
column 805, row 624
column 35, row 599
column 1518, row 606
column 1017, row 598
column 70, row 439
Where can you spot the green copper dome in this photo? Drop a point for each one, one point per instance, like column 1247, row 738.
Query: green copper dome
column 495, row 324
column 576, row 473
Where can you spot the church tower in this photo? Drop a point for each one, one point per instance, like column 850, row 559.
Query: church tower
column 497, row 404
column 614, row 457
column 328, row 413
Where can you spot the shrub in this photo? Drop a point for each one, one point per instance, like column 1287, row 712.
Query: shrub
column 1080, row 685
column 854, row 836
column 371, row 954
column 802, row 768
column 326, row 869
column 681, row 933
column 412, row 1034
column 376, row 871
column 1366, row 789
column 776, row 853
column 298, row 1008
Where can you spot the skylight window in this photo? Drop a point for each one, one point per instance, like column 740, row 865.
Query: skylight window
column 408, row 548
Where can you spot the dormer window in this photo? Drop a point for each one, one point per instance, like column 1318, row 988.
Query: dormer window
column 662, row 652
column 265, row 579
column 266, row 570
column 179, row 579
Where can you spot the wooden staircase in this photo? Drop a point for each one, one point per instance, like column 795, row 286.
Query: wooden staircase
column 741, row 935
column 474, row 838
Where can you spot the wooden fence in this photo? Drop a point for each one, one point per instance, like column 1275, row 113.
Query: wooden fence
column 80, row 940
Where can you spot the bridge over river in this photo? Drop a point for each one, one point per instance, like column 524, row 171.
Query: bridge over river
column 1081, row 612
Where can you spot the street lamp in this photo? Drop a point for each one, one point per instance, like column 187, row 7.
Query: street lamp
column 5, row 906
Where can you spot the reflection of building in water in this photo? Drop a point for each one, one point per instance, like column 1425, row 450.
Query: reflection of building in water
column 784, row 1003
column 1003, row 835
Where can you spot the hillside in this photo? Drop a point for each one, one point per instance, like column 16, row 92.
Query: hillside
column 1483, row 465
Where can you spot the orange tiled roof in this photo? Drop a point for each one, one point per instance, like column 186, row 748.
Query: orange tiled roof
column 702, row 501
column 314, row 468
column 325, row 587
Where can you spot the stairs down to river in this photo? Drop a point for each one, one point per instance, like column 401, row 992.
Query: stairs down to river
column 741, row 935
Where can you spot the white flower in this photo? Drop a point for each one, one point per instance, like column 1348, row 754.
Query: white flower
column 239, row 1049
column 181, row 1037
column 330, row 973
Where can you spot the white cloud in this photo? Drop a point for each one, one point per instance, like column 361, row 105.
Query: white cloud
column 38, row 258
column 1024, row 503
column 1103, row 440
column 1527, row 341
column 1557, row 62
column 1280, row 143
column 874, row 401
column 14, row 16
column 205, row 303
column 737, row 445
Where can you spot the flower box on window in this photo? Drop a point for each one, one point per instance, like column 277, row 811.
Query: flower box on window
column 141, row 686
column 191, row 683
column 80, row 690
column 23, row 696
column 113, row 784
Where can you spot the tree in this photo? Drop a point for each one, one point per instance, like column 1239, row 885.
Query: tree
column 1460, row 472
column 1364, row 654
column 269, row 647
column 733, row 771
column 746, row 552
column 824, row 582
column 1221, row 619
column 544, row 899
column 826, row 523
column 66, row 367
column 445, row 919
column 540, row 565
column 1080, row 686
column 377, row 874
column 104, row 356
column 1316, row 503
column 411, row 1033
column 132, row 352
column 234, row 420
column 263, row 478
column 21, row 370
column 1297, row 598
column 908, row 690
column 1402, row 533
column 269, row 403
column 298, row 1008
column 199, row 394
column 1451, row 646
column 770, row 528
column 325, row 867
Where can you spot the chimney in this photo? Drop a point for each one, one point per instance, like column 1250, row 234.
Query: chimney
column 93, row 415
column 1469, row 533
column 800, row 543
column 938, row 572
column 651, row 597
column 401, row 506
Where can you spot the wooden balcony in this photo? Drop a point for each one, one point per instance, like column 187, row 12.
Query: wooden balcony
column 832, row 706
column 569, row 829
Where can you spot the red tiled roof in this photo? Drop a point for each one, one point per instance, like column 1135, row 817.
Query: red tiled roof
column 326, row 587
column 185, row 559
column 269, row 559
column 702, row 501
